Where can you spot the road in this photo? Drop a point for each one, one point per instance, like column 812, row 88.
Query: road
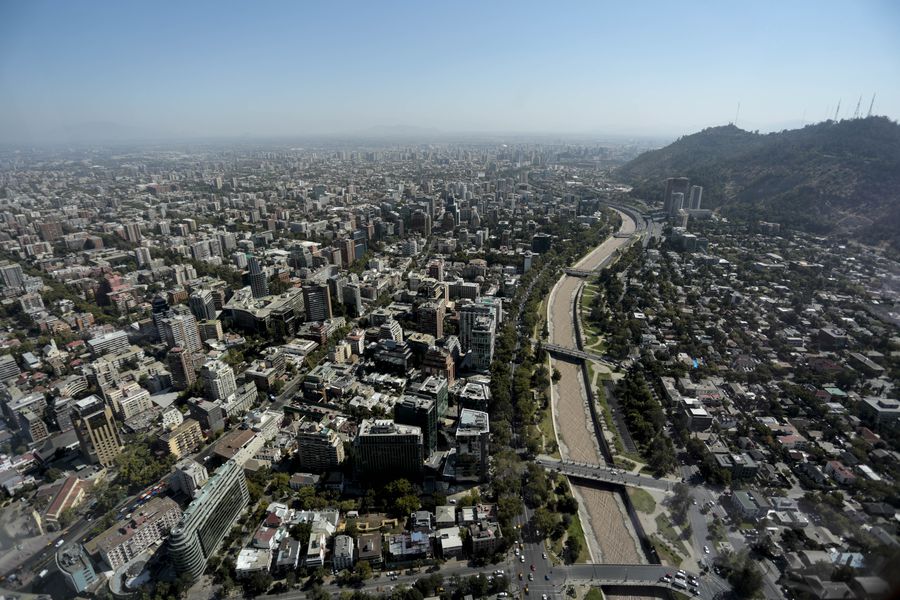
column 605, row 474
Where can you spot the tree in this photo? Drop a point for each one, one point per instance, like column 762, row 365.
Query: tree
column 257, row 584
column 543, row 521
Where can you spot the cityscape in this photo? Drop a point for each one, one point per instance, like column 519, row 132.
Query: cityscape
column 405, row 363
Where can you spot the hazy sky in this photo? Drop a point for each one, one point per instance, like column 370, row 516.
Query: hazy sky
column 159, row 69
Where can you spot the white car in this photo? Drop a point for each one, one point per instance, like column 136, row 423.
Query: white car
column 706, row 549
column 521, row 559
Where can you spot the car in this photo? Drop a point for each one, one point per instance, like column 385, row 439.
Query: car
column 517, row 551
column 705, row 549
column 546, row 577
column 695, row 591
column 452, row 500
column 520, row 575
column 531, row 577
column 694, row 502
column 543, row 596
column 532, row 567
column 502, row 595
column 666, row 578
column 521, row 559
column 544, row 555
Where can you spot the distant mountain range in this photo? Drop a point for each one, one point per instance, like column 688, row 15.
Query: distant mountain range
column 832, row 177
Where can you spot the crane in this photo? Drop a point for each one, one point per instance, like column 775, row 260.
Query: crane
column 871, row 104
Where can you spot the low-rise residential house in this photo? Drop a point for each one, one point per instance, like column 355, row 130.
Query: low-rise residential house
column 369, row 548
column 251, row 561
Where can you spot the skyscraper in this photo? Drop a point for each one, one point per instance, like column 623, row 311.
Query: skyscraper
column 259, row 284
column 12, row 274
column 181, row 368
column 384, row 447
column 96, row 430
column 208, row 518
column 133, row 232
column 181, row 330
column 218, row 380
column 422, row 413
column 674, row 185
column 317, row 299
column 472, row 445
column 202, row 305
column 485, row 306
column 431, row 318
column 696, row 197
column 319, row 448
column 142, row 255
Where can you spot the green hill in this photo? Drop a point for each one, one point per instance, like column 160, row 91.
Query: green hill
column 832, row 177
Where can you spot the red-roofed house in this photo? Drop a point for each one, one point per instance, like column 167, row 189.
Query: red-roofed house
column 841, row 474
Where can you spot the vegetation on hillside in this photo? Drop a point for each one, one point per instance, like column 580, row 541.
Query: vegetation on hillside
column 832, row 177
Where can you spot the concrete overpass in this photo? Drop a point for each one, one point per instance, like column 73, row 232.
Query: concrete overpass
column 604, row 474
column 577, row 354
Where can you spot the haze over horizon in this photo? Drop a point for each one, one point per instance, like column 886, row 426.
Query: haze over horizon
column 118, row 71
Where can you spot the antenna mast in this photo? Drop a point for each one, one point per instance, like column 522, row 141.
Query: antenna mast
column 837, row 110
column 871, row 104
column 738, row 112
column 856, row 112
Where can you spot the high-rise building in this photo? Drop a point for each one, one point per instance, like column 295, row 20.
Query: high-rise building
column 218, row 380
column 182, row 331
column 181, row 367
column 384, row 447
column 436, row 388
column 391, row 330
column 674, row 185
column 133, row 232
column 12, row 274
column 259, row 284
column 353, row 299
column 485, row 306
column 50, row 231
column 202, row 304
column 125, row 540
column 183, row 439
column 541, row 243
column 472, row 445
column 481, row 342
column 431, row 318
column 436, row 268
column 317, row 299
column 319, row 448
column 696, row 197
column 96, row 430
column 208, row 519
column 420, row 222
column 348, row 251
column 421, row 412
column 143, row 256
column 188, row 476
